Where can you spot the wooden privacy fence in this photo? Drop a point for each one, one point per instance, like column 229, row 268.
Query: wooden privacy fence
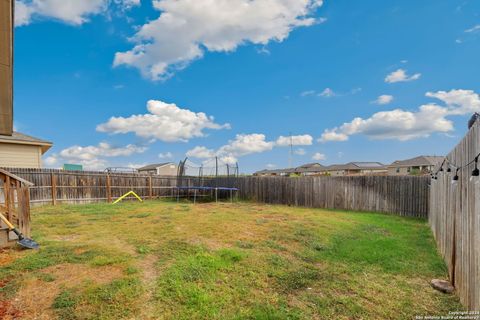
column 455, row 217
column 405, row 196
column 53, row 186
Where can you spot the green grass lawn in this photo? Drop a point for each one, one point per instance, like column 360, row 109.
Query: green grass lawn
column 163, row 260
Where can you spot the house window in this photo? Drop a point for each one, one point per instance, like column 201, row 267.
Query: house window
column 398, row 170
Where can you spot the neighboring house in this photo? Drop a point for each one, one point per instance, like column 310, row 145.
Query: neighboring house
column 316, row 169
column 22, row 151
column 357, row 169
column 414, row 166
column 304, row 170
column 161, row 169
column 275, row 172
column 311, row 169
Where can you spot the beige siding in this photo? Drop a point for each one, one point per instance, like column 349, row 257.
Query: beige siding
column 168, row 170
column 399, row 171
column 20, row 156
column 405, row 171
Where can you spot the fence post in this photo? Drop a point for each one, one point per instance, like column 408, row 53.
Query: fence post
column 109, row 189
column 54, row 188
column 150, row 191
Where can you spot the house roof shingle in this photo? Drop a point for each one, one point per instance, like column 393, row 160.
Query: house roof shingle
column 154, row 166
column 22, row 138
column 357, row 166
column 418, row 161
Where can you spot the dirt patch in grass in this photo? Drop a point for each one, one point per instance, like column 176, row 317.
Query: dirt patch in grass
column 36, row 296
column 9, row 312
column 9, row 255
column 149, row 278
column 214, row 261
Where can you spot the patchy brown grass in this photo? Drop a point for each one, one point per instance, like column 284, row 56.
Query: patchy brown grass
column 165, row 260
column 36, row 296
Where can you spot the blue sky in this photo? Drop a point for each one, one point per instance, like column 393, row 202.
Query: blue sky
column 350, row 80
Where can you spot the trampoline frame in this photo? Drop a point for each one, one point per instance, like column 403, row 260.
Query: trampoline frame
column 200, row 186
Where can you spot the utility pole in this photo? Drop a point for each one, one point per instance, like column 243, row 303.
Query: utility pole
column 290, row 158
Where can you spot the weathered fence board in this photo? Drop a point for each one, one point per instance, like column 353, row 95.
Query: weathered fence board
column 405, row 196
column 455, row 218
column 53, row 186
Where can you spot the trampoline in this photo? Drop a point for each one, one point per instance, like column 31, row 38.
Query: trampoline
column 212, row 178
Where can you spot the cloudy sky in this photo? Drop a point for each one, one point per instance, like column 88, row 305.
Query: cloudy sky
column 132, row 82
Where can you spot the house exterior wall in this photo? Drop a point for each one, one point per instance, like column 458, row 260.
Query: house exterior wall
column 398, row 171
column 405, row 171
column 167, row 170
column 374, row 172
column 149, row 172
column 20, row 156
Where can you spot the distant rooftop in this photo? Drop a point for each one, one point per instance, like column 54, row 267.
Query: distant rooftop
column 317, row 167
column 21, row 138
column 154, row 166
column 357, row 166
column 418, row 161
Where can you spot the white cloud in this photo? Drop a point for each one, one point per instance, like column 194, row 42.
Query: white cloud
column 102, row 150
column 93, row 157
column 165, row 121
column 74, row 12
column 167, row 155
column 135, row 165
column 459, row 101
column 201, row 153
column 406, row 125
column 23, row 13
column 127, row 4
column 186, row 29
column 50, row 161
column 401, row 75
column 301, row 140
column 245, row 144
column 384, row 99
column 319, row 156
column 395, row 124
column 307, row 93
column 322, row 20
column 473, row 29
column 271, row 166
column 333, row 135
column 228, row 159
column 69, row 11
column 300, row 152
column 242, row 145
column 327, row 93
